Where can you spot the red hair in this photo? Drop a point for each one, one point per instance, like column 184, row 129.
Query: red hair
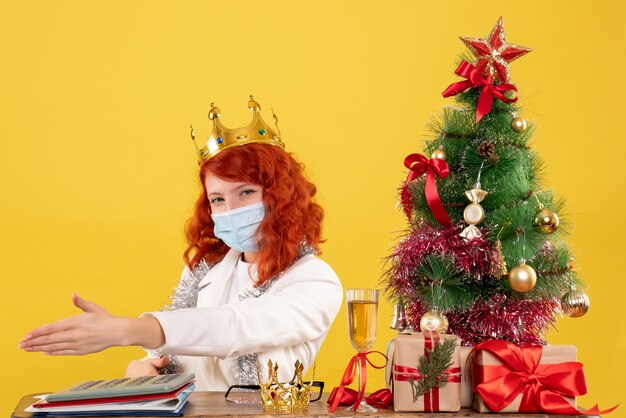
column 291, row 216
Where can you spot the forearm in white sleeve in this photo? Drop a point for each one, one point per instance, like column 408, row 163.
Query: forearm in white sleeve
column 296, row 311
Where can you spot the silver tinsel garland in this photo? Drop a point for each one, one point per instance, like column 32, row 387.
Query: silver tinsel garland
column 246, row 364
column 185, row 296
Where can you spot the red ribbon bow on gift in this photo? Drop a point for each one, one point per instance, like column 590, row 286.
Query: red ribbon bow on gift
column 337, row 395
column 474, row 78
column 418, row 165
column 543, row 386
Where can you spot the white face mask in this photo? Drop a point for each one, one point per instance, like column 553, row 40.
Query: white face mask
column 238, row 227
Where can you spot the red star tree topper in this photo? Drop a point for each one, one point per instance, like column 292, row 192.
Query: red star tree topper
column 493, row 54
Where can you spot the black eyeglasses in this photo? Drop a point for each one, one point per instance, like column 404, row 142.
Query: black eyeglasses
column 250, row 393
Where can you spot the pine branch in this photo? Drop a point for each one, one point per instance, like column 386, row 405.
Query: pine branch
column 443, row 285
column 432, row 366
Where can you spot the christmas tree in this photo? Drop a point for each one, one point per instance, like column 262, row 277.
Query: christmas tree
column 484, row 255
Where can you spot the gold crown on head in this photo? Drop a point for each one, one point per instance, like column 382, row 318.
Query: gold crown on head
column 223, row 138
column 285, row 397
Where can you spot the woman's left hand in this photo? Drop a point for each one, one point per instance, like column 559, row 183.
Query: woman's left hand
column 92, row 331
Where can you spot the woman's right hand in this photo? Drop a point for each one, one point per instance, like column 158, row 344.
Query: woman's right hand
column 92, row 331
column 146, row 367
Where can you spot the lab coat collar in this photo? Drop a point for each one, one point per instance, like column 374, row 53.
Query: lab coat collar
column 221, row 273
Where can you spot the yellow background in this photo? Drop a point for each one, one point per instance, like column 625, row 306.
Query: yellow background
column 97, row 172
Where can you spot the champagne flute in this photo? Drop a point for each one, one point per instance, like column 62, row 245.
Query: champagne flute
column 362, row 311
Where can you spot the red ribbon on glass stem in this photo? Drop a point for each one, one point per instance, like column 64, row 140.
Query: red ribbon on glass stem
column 542, row 386
column 418, row 165
column 359, row 359
column 382, row 398
column 474, row 78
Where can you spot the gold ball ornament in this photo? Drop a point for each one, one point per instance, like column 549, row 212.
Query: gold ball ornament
column 547, row 220
column 575, row 303
column 522, row 278
column 433, row 321
column 439, row 154
column 518, row 124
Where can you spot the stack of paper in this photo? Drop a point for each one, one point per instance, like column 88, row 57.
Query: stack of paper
column 143, row 396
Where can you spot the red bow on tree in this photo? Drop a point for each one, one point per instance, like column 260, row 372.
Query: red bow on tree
column 474, row 78
column 418, row 165
column 542, row 386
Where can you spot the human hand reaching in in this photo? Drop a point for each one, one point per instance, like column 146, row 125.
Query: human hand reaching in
column 92, row 331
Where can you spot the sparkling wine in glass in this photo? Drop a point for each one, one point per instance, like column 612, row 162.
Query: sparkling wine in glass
column 362, row 312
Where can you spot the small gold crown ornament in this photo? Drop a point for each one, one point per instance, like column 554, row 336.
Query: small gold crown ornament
column 285, row 397
column 223, row 138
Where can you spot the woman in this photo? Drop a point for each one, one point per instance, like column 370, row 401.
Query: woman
column 252, row 288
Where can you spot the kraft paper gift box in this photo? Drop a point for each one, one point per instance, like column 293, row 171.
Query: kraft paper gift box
column 467, row 389
column 407, row 350
column 484, row 362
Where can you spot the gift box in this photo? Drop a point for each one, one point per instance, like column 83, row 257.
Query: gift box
column 407, row 379
column 467, row 388
column 508, row 378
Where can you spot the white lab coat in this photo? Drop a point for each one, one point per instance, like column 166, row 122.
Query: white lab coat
column 287, row 322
